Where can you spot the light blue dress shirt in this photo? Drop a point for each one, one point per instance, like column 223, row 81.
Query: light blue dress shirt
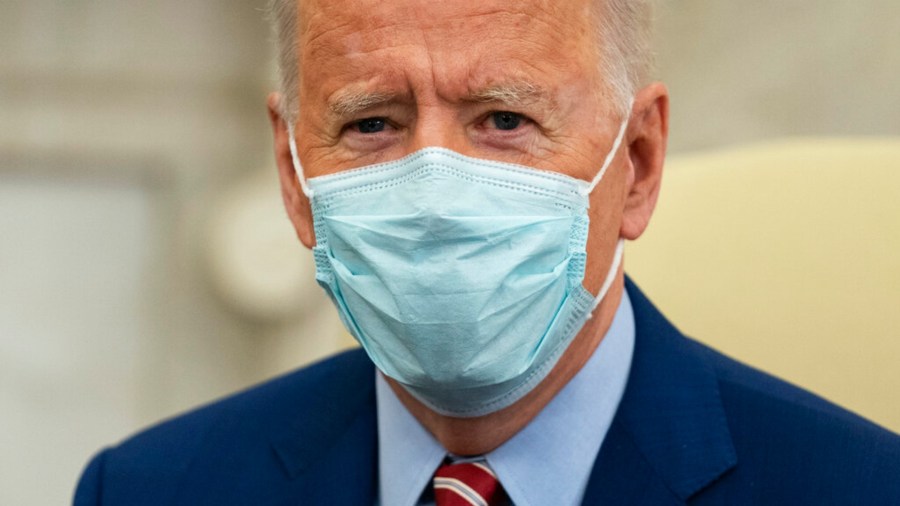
column 548, row 462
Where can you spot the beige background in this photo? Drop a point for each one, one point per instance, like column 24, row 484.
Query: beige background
column 145, row 266
column 795, row 270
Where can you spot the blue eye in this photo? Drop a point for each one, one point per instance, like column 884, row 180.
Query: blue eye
column 370, row 125
column 505, row 120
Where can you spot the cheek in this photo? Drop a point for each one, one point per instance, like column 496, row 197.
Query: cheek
column 608, row 198
column 605, row 217
column 607, row 204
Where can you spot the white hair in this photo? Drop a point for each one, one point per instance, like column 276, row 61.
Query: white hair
column 626, row 30
column 626, row 57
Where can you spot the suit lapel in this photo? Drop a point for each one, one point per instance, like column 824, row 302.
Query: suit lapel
column 309, row 438
column 622, row 475
column 343, row 471
column 330, row 454
column 669, row 438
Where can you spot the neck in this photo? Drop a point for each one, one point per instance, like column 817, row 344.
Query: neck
column 480, row 435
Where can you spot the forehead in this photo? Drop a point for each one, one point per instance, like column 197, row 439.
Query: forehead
column 342, row 40
column 430, row 14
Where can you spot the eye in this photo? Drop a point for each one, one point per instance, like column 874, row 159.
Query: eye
column 505, row 120
column 369, row 125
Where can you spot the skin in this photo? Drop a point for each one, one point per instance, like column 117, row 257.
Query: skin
column 431, row 71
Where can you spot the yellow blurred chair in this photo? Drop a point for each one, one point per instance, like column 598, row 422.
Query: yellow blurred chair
column 787, row 256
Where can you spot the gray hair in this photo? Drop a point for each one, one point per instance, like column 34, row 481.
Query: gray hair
column 625, row 25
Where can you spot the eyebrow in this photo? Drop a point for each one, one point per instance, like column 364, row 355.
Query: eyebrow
column 350, row 103
column 514, row 93
column 511, row 93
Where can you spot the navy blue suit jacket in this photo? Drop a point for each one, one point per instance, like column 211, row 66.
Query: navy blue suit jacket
column 694, row 427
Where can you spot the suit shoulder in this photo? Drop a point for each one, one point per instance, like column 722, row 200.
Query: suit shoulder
column 157, row 458
column 782, row 430
column 743, row 382
column 271, row 398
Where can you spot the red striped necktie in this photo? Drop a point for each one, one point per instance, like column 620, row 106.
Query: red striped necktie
column 467, row 484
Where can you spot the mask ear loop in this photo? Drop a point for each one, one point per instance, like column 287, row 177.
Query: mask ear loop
column 297, row 167
column 620, row 245
column 610, row 276
column 612, row 152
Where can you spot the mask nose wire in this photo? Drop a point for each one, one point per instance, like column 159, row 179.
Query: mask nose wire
column 612, row 152
column 297, row 167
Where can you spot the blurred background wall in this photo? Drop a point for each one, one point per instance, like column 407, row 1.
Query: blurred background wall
column 145, row 264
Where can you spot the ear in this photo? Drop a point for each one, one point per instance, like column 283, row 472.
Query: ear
column 295, row 201
column 648, row 132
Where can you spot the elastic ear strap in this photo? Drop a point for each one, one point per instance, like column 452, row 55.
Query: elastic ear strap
column 612, row 152
column 611, row 275
column 297, row 167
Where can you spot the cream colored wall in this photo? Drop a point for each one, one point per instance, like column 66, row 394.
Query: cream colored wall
column 784, row 254
column 156, row 109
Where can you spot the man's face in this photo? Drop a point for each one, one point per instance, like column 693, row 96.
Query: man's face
column 511, row 81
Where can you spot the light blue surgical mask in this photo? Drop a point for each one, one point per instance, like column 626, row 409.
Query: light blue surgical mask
column 460, row 277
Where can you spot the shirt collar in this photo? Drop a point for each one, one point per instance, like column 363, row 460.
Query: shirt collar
column 409, row 454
